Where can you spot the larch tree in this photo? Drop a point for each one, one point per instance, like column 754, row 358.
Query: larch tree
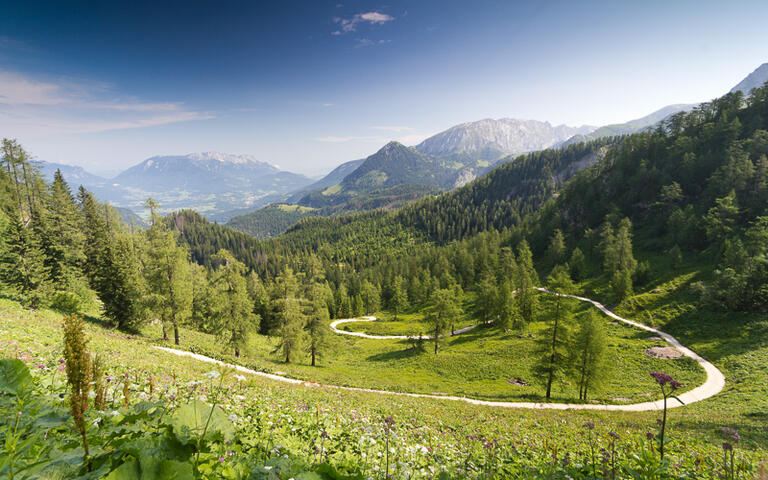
column 553, row 345
column 399, row 299
column 485, row 304
column 588, row 355
column 557, row 249
column 441, row 313
column 525, row 283
column 288, row 316
column 505, row 306
column 319, row 340
column 233, row 307
column 168, row 274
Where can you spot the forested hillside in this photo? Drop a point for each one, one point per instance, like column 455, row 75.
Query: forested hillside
column 669, row 227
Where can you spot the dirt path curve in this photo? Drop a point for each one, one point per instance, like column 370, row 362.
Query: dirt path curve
column 336, row 323
column 712, row 386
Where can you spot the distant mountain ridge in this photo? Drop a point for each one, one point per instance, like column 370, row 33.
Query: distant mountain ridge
column 334, row 177
column 210, row 182
column 755, row 79
column 491, row 138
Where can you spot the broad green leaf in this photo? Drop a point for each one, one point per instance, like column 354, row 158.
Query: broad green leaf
column 189, row 423
column 328, row 472
column 14, row 376
column 150, row 467
column 52, row 418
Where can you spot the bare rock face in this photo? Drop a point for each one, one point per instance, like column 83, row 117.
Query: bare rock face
column 666, row 353
column 465, row 176
column 505, row 136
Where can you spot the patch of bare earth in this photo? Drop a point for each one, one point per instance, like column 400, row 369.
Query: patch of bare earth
column 667, row 353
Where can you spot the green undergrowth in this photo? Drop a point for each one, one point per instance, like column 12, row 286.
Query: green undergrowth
column 484, row 363
column 432, row 435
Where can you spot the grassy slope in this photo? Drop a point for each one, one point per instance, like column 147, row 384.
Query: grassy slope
column 476, row 364
column 694, row 428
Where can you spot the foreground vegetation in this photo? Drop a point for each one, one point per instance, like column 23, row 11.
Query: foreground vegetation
column 260, row 429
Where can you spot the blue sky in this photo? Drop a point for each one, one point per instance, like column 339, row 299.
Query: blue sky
column 309, row 85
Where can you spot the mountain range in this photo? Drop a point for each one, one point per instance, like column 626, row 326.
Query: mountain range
column 223, row 186
column 209, row 182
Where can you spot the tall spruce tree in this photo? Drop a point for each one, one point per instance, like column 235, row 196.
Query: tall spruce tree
column 22, row 264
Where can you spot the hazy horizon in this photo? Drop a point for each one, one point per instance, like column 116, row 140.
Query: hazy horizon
column 310, row 86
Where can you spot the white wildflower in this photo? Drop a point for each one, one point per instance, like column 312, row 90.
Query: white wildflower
column 213, row 374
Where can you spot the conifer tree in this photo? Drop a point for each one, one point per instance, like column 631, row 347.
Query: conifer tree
column 505, row 306
column 233, row 308
column 577, row 264
column 486, row 302
column 65, row 227
column 556, row 251
column 441, row 313
column 22, row 264
column 525, row 282
column 399, row 300
column 588, row 355
column 168, row 274
column 319, row 340
column 371, row 297
column 553, row 363
column 290, row 333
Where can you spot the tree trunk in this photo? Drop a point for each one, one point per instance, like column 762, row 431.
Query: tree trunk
column 313, row 357
column 437, row 340
column 175, row 334
column 237, row 352
column 165, row 333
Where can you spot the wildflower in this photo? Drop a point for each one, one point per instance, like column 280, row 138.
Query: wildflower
column 662, row 378
column 731, row 434
column 213, row 374
column 589, row 425
column 240, row 378
column 233, row 417
column 649, row 436
column 614, row 435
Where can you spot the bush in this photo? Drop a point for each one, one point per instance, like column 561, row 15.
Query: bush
column 66, row 302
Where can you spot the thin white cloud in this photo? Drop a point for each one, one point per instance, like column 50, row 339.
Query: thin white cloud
column 366, row 42
column 347, row 25
column 29, row 106
column 327, row 104
column 392, row 128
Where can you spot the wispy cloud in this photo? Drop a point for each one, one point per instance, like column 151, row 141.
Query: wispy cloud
column 43, row 107
column 392, row 128
column 366, row 42
column 347, row 25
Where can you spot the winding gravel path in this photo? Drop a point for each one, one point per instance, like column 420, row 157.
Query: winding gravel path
column 335, row 323
column 712, row 386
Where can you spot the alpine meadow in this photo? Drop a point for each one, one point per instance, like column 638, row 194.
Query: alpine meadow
column 427, row 288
